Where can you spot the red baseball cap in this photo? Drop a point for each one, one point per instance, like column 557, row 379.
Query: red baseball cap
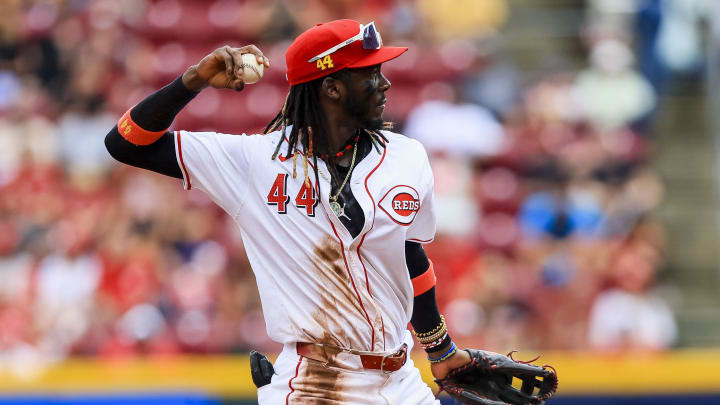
column 335, row 45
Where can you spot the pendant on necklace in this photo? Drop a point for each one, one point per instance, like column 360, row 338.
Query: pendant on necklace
column 336, row 208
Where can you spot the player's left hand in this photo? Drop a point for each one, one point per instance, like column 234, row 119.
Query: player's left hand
column 487, row 380
column 441, row 369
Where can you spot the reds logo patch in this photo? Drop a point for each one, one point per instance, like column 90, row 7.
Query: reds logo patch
column 401, row 203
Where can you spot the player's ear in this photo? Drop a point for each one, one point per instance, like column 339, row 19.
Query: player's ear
column 332, row 88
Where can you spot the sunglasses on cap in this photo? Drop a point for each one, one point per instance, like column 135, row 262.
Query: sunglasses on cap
column 368, row 34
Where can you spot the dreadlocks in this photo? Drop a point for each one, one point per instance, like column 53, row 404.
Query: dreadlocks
column 302, row 110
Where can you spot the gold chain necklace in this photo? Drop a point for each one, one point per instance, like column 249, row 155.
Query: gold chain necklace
column 337, row 209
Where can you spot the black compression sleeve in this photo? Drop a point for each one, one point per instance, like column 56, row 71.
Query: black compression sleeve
column 158, row 110
column 426, row 315
column 416, row 259
column 154, row 113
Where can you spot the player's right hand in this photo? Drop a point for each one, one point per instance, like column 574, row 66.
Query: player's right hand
column 221, row 69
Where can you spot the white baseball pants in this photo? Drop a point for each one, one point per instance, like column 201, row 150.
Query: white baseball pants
column 299, row 380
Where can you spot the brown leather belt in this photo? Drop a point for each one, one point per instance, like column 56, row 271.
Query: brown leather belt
column 369, row 360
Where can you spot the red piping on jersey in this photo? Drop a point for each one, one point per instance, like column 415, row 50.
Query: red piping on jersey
column 182, row 162
column 367, row 282
column 352, row 280
column 297, row 369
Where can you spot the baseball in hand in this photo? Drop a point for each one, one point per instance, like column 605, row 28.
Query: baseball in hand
column 252, row 70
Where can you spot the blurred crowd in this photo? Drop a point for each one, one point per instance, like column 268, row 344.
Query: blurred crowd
column 545, row 194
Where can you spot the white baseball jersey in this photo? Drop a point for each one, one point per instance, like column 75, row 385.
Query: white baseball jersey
column 316, row 282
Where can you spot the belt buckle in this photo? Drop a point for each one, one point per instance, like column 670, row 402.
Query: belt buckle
column 402, row 350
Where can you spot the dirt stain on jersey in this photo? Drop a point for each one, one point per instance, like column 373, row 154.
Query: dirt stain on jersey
column 321, row 382
column 329, row 252
column 338, row 299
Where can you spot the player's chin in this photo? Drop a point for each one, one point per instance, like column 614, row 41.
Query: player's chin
column 375, row 123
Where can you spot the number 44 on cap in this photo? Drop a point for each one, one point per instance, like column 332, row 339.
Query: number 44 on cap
column 325, row 63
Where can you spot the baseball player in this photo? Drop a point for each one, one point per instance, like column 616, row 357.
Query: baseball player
column 333, row 209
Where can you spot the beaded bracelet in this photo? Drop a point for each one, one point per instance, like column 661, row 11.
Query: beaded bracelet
column 434, row 344
column 425, row 335
column 447, row 355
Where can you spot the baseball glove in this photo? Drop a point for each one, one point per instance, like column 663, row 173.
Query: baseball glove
column 487, row 380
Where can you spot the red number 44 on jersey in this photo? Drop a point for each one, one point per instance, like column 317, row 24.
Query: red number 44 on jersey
column 306, row 198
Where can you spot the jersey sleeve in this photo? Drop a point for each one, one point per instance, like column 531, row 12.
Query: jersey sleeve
column 422, row 230
column 218, row 164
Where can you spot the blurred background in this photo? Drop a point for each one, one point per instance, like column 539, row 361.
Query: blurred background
column 574, row 146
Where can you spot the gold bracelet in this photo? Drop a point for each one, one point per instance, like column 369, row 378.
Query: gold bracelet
column 426, row 337
column 432, row 338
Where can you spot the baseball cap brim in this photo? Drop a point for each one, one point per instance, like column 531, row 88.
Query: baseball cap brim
column 382, row 55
